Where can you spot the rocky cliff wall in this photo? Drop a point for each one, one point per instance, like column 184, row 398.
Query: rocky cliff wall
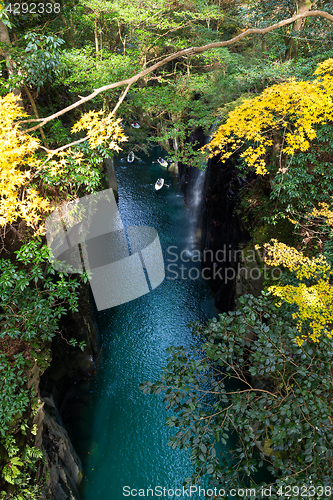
column 226, row 248
column 58, row 388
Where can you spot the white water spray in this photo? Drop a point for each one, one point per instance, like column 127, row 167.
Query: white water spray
column 195, row 204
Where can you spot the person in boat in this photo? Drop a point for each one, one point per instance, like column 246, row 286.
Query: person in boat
column 130, row 157
column 162, row 162
column 159, row 182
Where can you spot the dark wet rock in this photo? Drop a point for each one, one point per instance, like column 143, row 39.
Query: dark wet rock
column 64, row 388
column 222, row 231
column 63, row 464
column 110, row 176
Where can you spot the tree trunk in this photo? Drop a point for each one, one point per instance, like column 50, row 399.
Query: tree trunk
column 117, row 38
column 263, row 44
column 34, row 107
column 96, row 35
column 4, row 38
column 68, row 30
column 292, row 43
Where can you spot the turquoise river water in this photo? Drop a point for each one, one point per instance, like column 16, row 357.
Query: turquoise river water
column 127, row 445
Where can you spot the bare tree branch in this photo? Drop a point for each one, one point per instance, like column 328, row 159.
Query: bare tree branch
column 54, row 151
column 120, row 100
column 192, row 51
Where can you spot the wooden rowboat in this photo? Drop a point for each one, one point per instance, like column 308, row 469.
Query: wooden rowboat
column 130, row 157
column 159, row 184
column 162, row 162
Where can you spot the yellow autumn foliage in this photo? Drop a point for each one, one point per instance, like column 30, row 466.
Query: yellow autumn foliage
column 323, row 213
column 16, row 164
column 101, row 129
column 291, row 109
column 19, row 165
column 313, row 294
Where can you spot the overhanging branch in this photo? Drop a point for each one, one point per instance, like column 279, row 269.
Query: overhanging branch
column 192, row 51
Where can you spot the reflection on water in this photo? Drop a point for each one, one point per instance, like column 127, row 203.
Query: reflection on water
column 121, row 434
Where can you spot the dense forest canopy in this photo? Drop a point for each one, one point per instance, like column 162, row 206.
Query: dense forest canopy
column 74, row 76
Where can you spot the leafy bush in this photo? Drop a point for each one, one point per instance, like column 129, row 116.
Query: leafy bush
column 17, row 471
column 309, row 179
column 80, row 172
column 33, row 298
column 41, row 63
column 251, row 378
column 32, row 301
column 15, row 397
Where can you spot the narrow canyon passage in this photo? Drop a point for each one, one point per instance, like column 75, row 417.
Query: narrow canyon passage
column 127, row 446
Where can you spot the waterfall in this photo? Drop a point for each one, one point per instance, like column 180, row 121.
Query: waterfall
column 195, row 205
column 196, row 201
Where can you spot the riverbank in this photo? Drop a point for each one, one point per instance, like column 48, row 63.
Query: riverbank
column 69, row 368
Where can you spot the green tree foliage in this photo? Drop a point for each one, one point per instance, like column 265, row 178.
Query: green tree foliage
column 78, row 173
column 303, row 38
column 32, row 301
column 123, row 38
column 250, row 387
column 36, row 60
column 280, row 385
column 310, row 179
column 41, row 63
column 33, row 298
